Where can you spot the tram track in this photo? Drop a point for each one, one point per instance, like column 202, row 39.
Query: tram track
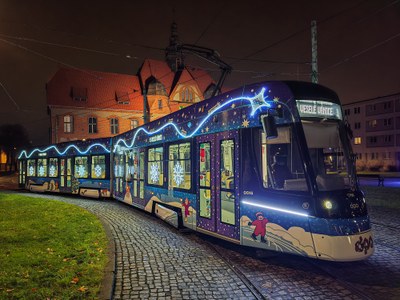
column 252, row 288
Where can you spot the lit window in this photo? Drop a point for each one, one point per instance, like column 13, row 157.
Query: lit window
column 179, row 166
column 114, row 126
column 134, row 124
column 42, row 167
column 99, row 166
column 81, row 167
column 68, row 124
column 357, row 140
column 186, row 95
column 31, row 167
column 53, row 167
column 159, row 104
column 155, row 172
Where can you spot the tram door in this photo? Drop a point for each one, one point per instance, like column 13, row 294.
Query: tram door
column 217, row 182
column 66, row 173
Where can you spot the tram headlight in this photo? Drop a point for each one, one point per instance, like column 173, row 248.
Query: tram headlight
column 327, row 204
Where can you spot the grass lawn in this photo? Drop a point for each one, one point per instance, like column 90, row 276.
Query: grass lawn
column 49, row 250
column 382, row 196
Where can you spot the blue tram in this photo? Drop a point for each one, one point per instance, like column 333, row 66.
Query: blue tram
column 81, row 167
column 268, row 165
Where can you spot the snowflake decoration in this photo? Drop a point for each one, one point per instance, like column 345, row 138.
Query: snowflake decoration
column 41, row 171
column 154, row 172
column 97, row 171
column 178, row 174
column 81, row 171
column 31, row 171
column 52, row 171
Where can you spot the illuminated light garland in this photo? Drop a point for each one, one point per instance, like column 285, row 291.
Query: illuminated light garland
column 256, row 102
column 41, row 171
column 276, row 209
column 31, row 171
column 63, row 152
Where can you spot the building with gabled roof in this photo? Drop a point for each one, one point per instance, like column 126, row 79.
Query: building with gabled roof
column 86, row 104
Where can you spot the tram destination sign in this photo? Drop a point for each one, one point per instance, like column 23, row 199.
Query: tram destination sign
column 319, row 109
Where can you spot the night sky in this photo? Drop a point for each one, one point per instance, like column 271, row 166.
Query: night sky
column 358, row 44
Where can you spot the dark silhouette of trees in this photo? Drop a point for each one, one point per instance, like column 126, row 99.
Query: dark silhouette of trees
column 12, row 137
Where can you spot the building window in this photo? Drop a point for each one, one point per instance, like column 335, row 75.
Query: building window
column 357, row 125
column 387, row 138
column 122, row 97
column 387, row 105
column 359, row 155
column 372, row 123
column 92, row 125
column 79, row 93
column 186, row 95
column 114, row 126
column 134, row 124
column 374, row 155
column 356, row 110
column 68, row 124
column 159, row 104
column 357, row 140
column 372, row 139
column 387, row 122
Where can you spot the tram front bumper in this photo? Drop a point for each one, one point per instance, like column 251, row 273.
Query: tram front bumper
column 344, row 248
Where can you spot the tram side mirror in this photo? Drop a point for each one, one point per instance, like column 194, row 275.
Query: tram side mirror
column 269, row 126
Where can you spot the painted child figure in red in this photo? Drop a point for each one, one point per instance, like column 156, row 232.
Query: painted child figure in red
column 186, row 205
column 259, row 229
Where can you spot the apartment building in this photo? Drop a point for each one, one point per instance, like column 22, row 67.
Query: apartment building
column 376, row 132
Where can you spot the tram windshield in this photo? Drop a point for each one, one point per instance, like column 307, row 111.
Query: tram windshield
column 328, row 155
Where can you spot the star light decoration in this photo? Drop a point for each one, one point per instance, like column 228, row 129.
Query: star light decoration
column 52, row 171
column 97, row 171
column 154, row 172
column 41, row 171
column 178, row 174
column 81, row 171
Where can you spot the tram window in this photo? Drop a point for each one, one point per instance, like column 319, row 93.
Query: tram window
column 98, row 166
column 31, row 167
column 69, row 172
column 53, row 167
column 141, row 175
column 282, row 167
column 155, row 172
column 81, row 167
column 42, row 167
column 205, row 180
column 179, row 166
column 227, row 196
column 128, row 166
column 119, row 164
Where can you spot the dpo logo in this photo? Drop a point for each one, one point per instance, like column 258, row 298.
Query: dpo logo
column 364, row 245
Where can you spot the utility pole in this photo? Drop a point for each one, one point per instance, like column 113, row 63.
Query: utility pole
column 314, row 54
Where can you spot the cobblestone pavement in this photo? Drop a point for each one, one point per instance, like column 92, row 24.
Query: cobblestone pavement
column 155, row 261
